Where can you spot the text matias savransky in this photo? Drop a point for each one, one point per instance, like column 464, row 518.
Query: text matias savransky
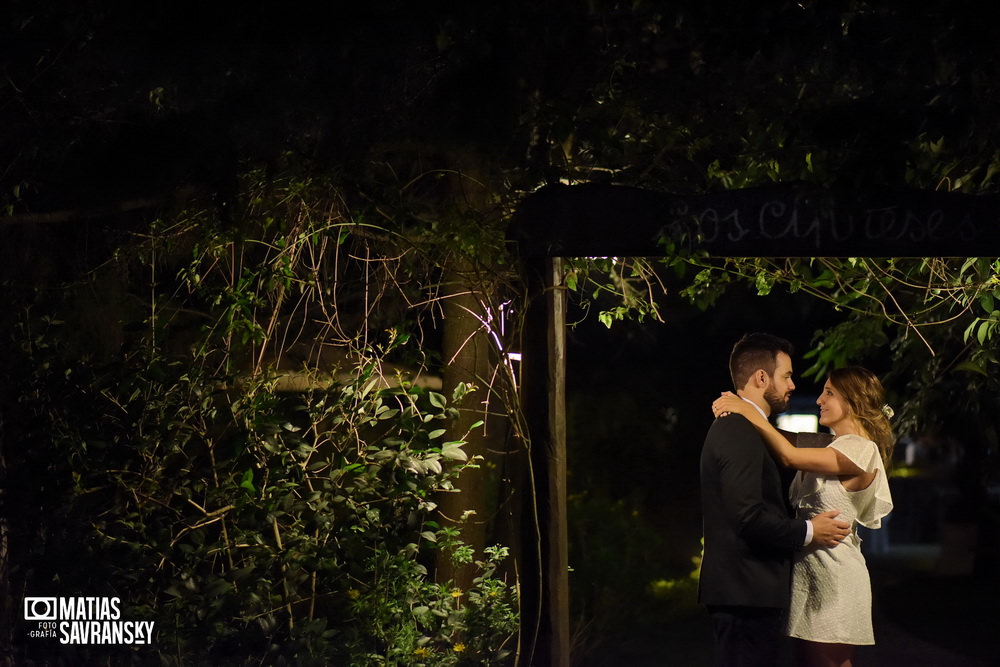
column 85, row 620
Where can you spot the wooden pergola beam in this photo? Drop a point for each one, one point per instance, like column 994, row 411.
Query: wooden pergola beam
column 595, row 220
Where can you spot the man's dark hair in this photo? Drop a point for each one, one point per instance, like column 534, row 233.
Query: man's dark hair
column 755, row 351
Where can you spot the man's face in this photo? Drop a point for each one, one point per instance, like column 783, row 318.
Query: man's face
column 779, row 392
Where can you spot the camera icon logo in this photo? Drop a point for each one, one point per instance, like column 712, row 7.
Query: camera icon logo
column 40, row 609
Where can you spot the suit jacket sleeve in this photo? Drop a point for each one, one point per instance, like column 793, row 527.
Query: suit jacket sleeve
column 753, row 496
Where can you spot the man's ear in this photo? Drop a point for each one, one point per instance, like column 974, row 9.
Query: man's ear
column 761, row 378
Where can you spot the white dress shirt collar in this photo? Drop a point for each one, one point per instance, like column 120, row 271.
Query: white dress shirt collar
column 757, row 407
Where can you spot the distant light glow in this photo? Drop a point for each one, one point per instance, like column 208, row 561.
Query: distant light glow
column 796, row 422
column 514, row 356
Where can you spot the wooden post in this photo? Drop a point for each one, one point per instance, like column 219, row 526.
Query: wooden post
column 545, row 581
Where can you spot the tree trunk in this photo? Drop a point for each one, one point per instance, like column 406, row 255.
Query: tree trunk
column 470, row 357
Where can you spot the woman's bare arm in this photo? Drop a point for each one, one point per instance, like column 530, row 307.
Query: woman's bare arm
column 822, row 460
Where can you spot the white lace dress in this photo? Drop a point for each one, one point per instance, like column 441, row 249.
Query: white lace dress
column 831, row 591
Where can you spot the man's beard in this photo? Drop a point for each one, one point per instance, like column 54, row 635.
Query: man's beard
column 777, row 402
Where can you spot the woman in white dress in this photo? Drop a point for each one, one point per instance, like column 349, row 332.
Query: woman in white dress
column 830, row 611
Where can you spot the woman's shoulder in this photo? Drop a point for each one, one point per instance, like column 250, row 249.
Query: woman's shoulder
column 851, row 439
column 851, row 443
column 859, row 449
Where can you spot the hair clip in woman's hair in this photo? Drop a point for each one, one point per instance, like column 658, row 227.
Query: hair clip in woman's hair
column 888, row 411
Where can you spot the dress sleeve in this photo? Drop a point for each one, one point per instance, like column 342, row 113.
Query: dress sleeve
column 864, row 454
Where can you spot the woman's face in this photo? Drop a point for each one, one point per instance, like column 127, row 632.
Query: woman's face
column 832, row 408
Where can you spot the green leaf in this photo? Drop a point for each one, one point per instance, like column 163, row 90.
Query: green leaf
column 368, row 387
column 986, row 302
column 971, row 367
column 967, row 334
column 436, row 433
column 765, row 282
column 437, row 400
column 247, row 482
column 453, row 450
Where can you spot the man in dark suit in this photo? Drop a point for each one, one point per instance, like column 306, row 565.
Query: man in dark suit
column 748, row 526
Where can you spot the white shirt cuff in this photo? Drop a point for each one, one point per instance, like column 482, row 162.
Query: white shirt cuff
column 809, row 533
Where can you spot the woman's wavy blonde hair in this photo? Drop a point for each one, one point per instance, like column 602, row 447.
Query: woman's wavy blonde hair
column 865, row 398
